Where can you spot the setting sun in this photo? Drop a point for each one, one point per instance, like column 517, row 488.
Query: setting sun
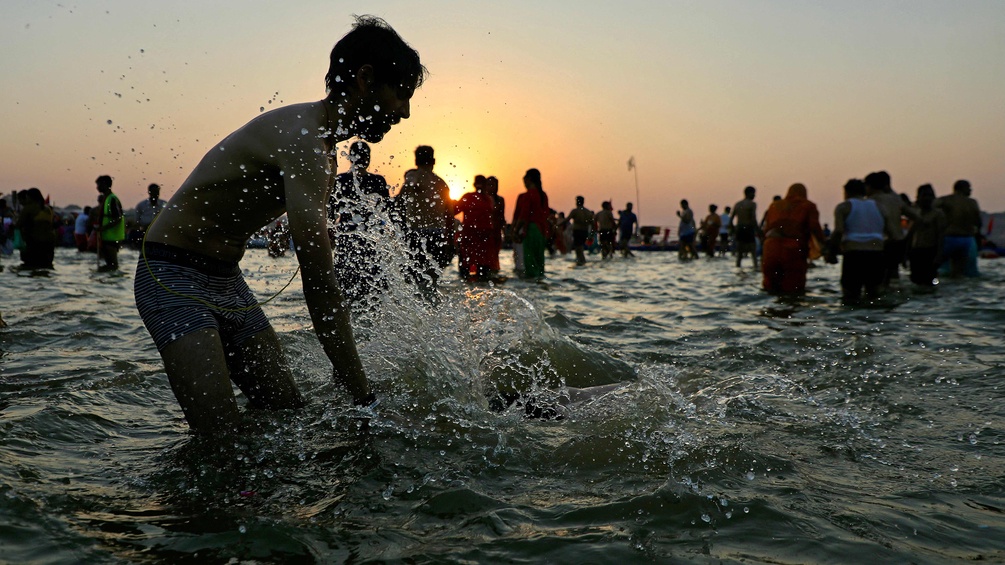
column 458, row 183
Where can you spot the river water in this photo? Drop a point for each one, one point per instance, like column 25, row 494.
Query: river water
column 743, row 428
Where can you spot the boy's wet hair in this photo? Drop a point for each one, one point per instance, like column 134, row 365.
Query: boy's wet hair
column 373, row 42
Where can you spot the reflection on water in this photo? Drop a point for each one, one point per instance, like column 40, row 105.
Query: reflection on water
column 744, row 428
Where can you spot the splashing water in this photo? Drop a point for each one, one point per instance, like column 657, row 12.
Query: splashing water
column 737, row 424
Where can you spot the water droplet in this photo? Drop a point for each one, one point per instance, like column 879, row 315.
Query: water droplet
column 303, row 131
column 243, row 529
column 750, row 475
column 376, row 107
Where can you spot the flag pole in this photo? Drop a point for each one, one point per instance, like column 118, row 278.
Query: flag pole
column 638, row 201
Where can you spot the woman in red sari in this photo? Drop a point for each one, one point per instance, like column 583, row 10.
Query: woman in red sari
column 789, row 226
column 530, row 224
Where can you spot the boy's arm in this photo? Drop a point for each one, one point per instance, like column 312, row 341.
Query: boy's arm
column 306, row 191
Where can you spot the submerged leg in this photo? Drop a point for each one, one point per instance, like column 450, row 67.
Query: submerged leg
column 258, row 367
column 197, row 370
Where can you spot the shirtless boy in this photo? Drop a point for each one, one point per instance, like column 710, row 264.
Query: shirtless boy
column 205, row 322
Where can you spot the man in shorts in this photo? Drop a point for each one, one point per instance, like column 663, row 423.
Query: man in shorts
column 744, row 221
column 189, row 290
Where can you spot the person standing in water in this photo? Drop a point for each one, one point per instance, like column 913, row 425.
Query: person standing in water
column 607, row 227
column 80, row 225
column 724, row 231
column 354, row 198
column 789, row 224
column 924, row 238
column 744, row 219
column 963, row 227
column 859, row 231
column 476, row 244
column 894, row 209
column 583, row 222
column 628, row 223
column 37, row 233
column 148, row 209
column 112, row 232
column 530, row 224
column 207, row 325
column 427, row 211
column 710, row 230
column 499, row 221
column 686, row 232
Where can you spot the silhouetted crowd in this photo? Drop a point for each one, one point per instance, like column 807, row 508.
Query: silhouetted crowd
column 34, row 228
column 876, row 231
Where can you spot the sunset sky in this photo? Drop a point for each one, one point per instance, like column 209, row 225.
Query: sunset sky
column 708, row 96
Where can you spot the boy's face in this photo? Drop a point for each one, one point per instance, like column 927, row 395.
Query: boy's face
column 381, row 109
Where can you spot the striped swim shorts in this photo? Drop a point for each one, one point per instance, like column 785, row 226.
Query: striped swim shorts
column 179, row 291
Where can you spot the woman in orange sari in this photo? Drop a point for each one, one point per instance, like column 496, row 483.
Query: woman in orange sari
column 789, row 226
